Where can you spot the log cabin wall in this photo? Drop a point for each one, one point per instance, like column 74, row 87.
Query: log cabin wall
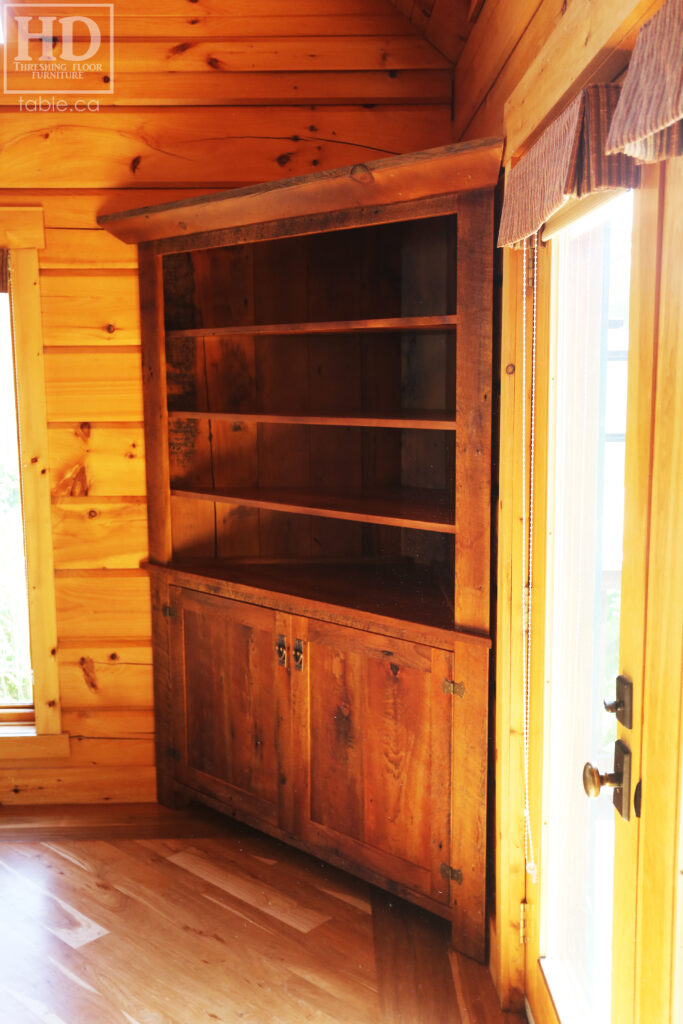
column 208, row 95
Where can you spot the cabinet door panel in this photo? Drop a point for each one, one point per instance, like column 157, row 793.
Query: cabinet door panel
column 380, row 753
column 233, row 697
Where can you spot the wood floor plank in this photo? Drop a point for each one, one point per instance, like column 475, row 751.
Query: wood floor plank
column 263, row 897
column 413, row 972
column 139, row 914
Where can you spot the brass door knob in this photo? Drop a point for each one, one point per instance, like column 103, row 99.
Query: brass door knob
column 593, row 781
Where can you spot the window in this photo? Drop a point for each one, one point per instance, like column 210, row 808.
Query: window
column 16, row 677
column 21, row 228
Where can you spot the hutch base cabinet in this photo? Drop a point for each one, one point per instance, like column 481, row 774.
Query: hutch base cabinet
column 317, row 371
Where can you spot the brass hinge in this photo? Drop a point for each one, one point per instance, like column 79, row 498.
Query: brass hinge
column 523, row 917
column 454, row 689
column 452, row 874
column 169, row 611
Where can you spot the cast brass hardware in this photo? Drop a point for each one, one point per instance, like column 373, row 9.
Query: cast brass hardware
column 619, row 780
column 593, row 781
column 298, row 655
column 281, row 649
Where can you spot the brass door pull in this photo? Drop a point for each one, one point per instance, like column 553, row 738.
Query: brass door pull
column 619, row 780
column 281, row 651
column 298, row 655
column 593, row 781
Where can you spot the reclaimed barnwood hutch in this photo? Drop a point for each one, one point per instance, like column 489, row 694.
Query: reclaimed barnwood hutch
column 317, row 362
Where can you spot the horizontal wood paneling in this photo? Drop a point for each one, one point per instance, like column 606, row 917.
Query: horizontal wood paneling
column 243, row 145
column 93, row 753
column 91, row 533
column 78, row 785
column 275, row 88
column 115, row 675
column 113, row 722
column 291, row 53
column 164, row 10
column 22, row 228
column 93, row 384
column 90, row 308
column 85, row 249
column 227, row 25
column 103, row 606
column 97, row 459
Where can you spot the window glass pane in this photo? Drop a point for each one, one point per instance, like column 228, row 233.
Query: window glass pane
column 16, row 683
column 586, row 510
column 615, row 397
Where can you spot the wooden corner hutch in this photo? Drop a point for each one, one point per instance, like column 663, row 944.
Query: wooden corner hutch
column 317, row 376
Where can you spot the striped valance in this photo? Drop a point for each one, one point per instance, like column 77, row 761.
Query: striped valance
column 568, row 160
column 647, row 122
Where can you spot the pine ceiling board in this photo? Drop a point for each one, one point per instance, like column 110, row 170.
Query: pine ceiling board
column 495, row 37
column 449, row 26
column 490, row 85
column 236, row 26
column 164, row 10
column 444, row 23
column 314, row 53
column 241, row 145
column 274, row 88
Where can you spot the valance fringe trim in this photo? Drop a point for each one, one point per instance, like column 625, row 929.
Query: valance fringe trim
column 568, row 160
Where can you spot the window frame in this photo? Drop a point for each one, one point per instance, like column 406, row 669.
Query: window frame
column 22, row 232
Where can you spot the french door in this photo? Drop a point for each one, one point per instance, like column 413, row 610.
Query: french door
column 607, row 566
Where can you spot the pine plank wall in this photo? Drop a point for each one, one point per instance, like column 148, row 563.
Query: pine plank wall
column 208, row 95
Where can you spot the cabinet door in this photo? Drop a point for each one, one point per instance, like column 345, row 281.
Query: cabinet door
column 378, row 725
column 232, row 697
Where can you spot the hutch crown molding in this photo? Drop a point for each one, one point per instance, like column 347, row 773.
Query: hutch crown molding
column 318, row 387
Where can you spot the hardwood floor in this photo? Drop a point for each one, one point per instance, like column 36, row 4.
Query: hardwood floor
column 142, row 915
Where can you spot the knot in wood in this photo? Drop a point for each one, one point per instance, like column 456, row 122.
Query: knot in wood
column 362, row 174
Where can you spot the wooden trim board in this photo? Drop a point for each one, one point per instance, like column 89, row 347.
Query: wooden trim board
column 455, row 168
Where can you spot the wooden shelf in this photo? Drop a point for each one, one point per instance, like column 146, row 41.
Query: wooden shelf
column 411, row 507
column 409, row 419
column 396, row 589
column 399, row 323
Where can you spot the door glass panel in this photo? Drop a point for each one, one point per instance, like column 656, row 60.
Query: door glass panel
column 584, row 551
